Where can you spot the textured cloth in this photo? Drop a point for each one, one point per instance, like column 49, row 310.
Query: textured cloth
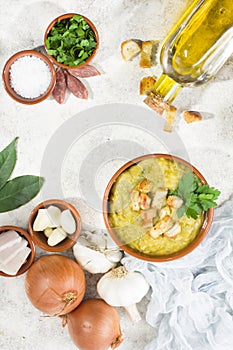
column 191, row 303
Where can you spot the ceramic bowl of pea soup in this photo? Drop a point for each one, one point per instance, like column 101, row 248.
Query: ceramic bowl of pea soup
column 145, row 214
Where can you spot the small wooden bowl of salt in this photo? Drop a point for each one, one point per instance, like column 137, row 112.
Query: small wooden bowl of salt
column 29, row 77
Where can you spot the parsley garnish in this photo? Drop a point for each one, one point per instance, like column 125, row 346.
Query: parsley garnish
column 196, row 197
column 71, row 41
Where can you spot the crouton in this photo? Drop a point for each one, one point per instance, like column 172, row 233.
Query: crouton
column 161, row 227
column 156, row 103
column 170, row 115
column 144, row 186
column 130, row 49
column 148, row 216
column 146, row 54
column 145, row 201
column 175, row 202
column 146, row 85
column 164, row 212
column 155, row 47
column 191, row 116
column 173, row 231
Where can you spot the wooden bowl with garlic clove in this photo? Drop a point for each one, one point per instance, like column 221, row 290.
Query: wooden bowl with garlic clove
column 45, row 240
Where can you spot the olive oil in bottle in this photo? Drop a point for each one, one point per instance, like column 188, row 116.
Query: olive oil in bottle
column 197, row 47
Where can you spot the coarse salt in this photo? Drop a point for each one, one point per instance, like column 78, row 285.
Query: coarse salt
column 30, row 76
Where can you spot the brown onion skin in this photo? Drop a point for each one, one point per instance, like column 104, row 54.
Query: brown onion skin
column 94, row 325
column 49, row 279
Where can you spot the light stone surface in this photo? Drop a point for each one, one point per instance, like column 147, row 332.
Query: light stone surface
column 209, row 144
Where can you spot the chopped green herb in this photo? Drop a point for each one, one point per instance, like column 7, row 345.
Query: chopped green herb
column 196, row 197
column 71, row 41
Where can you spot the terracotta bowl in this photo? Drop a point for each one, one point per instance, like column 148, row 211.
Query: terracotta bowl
column 31, row 245
column 39, row 237
column 156, row 258
column 12, row 92
column 65, row 16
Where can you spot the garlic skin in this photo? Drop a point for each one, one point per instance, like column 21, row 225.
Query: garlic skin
column 94, row 252
column 120, row 287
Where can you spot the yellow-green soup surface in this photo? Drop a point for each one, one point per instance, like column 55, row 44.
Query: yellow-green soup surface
column 127, row 223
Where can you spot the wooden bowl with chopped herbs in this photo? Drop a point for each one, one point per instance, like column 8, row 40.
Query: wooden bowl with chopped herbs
column 71, row 40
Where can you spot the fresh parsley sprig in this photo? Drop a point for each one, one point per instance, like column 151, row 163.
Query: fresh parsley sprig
column 196, row 196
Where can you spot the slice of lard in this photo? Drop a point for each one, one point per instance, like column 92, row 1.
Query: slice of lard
column 10, row 252
column 13, row 266
column 8, row 238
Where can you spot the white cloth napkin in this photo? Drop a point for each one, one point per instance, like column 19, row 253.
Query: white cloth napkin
column 191, row 303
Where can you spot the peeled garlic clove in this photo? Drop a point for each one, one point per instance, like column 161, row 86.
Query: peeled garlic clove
column 68, row 222
column 114, row 256
column 48, row 231
column 57, row 236
column 42, row 220
column 54, row 215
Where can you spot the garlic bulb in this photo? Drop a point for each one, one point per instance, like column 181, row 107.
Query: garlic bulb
column 96, row 252
column 120, row 287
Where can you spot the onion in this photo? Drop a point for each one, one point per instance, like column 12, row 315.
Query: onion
column 55, row 284
column 94, row 325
